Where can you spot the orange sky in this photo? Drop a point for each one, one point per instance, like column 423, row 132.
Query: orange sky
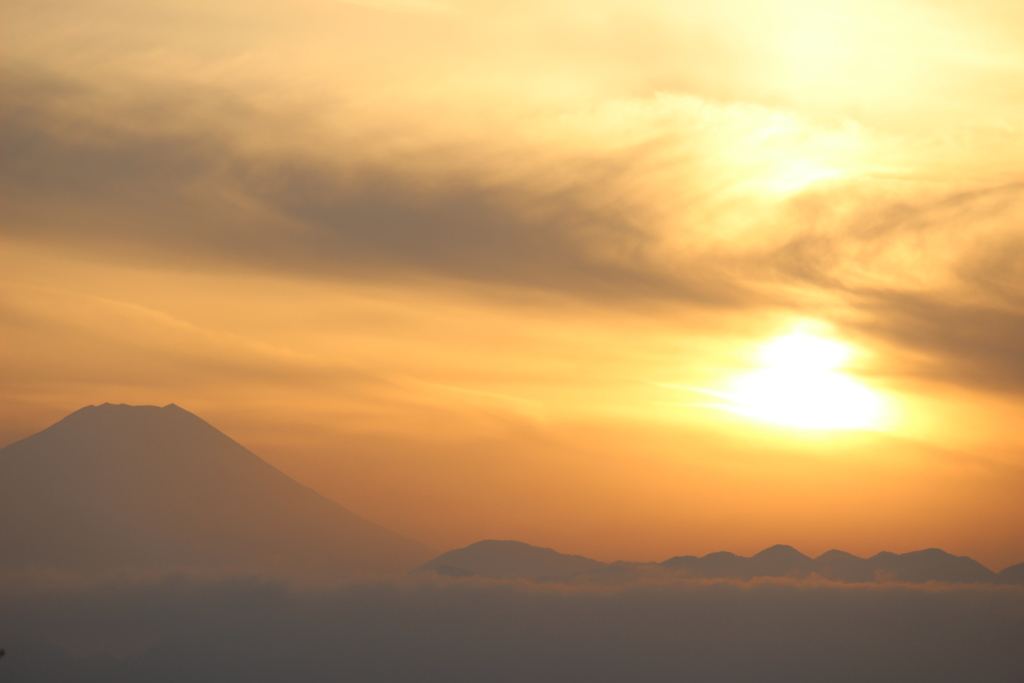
column 467, row 267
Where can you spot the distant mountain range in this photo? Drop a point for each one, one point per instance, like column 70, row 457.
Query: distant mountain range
column 117, row 486
column 515, row 560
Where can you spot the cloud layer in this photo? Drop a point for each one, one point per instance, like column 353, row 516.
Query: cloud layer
column 181, row 627
column 672, row 197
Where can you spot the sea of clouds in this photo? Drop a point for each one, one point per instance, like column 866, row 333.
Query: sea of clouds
column 187, row 627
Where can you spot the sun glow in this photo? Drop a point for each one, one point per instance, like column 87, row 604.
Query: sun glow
column 800, row 384
column 797, row 174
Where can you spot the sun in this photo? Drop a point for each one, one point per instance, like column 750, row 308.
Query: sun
column 801, row 384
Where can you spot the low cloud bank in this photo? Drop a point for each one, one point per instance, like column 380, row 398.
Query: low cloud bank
column 178, row 627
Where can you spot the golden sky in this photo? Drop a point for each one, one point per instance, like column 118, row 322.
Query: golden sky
column 628, row 279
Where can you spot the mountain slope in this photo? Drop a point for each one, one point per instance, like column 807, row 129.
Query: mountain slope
column 116, row 486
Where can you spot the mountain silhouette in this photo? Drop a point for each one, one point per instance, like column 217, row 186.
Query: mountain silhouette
column 116, row 486
column 919, row 566
column 1014, row 574
column 777, row 561
column 510, row 560
column 720, row 565
column 930, row 565
column 837, row 565
column 516, row 560
column 780, row 561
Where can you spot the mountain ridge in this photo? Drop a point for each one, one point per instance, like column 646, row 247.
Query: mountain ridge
column 494, row 559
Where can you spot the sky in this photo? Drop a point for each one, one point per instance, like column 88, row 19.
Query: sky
column 627, row 279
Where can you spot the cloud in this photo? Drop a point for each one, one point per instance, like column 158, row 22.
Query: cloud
column 979, row 346
column 524, row 150
column 940, row 275
column 181, row 627
column 193, row 194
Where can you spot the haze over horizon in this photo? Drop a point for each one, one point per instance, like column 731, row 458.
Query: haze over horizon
column 116, row 488
column 625, row 279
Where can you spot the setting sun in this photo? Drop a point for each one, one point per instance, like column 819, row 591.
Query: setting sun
column 801, row 385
